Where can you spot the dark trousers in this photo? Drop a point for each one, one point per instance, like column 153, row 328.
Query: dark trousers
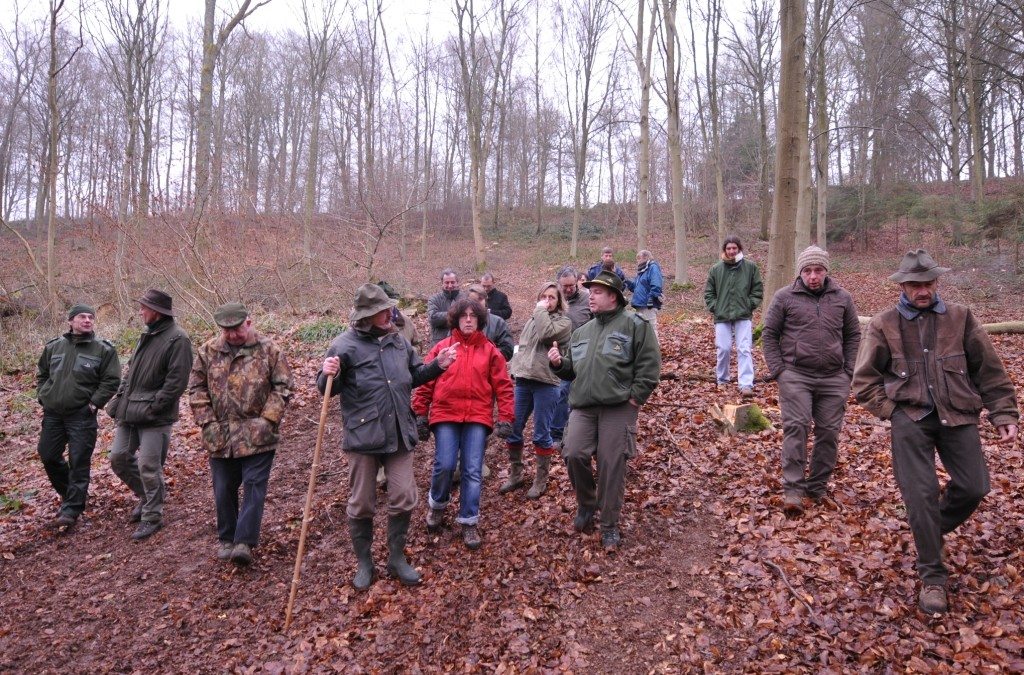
column 806, row 400
column 607, row 433
column 70, row 479
column 913, row 461
column 251, row 473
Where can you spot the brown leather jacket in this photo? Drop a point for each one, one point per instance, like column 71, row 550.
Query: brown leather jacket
column 942, row 361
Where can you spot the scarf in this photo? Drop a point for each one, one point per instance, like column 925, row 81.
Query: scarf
column 910, row 312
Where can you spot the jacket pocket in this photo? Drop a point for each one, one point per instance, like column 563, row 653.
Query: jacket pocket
column 139, row 409
column 961, row 392
column 579, row 350
column 619, row 346
column 258, row 432
column 899, row 381
column 215, row 437
column 363, row 431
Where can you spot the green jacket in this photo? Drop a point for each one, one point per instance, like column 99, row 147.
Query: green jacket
column 238, row 398
column 611, row 359
column 733, row 291
column 156, row 378
column 76, row 370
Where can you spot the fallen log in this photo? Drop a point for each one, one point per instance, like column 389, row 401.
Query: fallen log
column 1000, row 328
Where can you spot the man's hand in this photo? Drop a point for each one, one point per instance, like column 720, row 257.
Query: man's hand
column 1007, row 432
column 332, row 366
column 422, row 427
column 555, row 356
column 503, row 429
column 447, row 356
column 634, row 404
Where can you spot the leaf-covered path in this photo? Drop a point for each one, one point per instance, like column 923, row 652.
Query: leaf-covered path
column 711, row 576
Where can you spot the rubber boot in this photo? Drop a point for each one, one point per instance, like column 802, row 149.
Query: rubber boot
column 540, row 479
column 398, row 566
column 515, row 471
column 361, row 530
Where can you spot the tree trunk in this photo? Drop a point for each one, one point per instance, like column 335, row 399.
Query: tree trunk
column 674, row 146
column 792, row 105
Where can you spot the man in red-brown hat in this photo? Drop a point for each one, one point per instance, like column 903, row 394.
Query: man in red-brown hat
column 146, row 406
column 929, row 367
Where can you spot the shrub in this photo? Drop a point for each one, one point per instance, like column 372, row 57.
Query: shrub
column 321, row 330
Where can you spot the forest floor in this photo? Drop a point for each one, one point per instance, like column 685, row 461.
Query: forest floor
column 710, row 577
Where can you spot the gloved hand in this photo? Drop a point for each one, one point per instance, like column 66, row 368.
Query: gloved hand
column 503, row 429
column 422, row 427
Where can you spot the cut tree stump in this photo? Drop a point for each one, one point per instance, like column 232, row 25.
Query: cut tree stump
column 738, row 415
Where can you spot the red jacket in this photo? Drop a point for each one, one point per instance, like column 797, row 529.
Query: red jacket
column 466, row 391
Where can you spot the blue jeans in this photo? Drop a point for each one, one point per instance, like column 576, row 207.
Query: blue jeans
column 723, row 346
column 561, row 414
column 541, row 399
column 453, row 442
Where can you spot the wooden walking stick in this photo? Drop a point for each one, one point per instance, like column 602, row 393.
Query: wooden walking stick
column 309, row 502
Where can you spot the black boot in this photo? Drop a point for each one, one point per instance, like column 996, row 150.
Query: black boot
column 398, row 566
column 361, row 530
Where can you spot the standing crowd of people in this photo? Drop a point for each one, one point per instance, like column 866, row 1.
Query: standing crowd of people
column 586, row 361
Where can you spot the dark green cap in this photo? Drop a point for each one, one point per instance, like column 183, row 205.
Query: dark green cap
column 230, row 315
column 80, row 309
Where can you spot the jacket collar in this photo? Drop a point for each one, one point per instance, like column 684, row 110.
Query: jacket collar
column 160, row 326
column 826, row 287
column 223, row 346
column 909, row 312
column 605, row 317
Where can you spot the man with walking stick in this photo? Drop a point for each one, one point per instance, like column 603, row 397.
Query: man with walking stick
column 374, row 371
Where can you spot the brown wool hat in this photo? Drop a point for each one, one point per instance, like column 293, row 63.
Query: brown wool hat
column 158, row 301
column 812, row 255
column 609, row 279
column 231, row 315
column 918, row 266
column 370, row 299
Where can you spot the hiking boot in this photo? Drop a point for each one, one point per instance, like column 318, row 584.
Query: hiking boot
column 64, row 520
column 136, row 515
column 584, row 520
column 793, row 505
column 515, row 471
column 610, row 540
column 241, row 554
column 146, row 528
column 398, row 566
column 471, row 537
column 746, row 392
column 361, row 531
column 224, row 550
column 933, row 600
column 540, row 479
column 435, row 519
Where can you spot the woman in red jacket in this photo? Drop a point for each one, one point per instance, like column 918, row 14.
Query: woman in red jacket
column 460, row 405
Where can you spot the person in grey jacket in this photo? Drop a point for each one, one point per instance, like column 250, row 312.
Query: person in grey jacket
column 577, row 302
column 77, row 374
column 439, row 304
column 810, row 340
column 496, row 329
column 375, row 371
column 146, row 406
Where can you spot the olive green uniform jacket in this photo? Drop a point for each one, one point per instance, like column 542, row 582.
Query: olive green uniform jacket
column 76, row 370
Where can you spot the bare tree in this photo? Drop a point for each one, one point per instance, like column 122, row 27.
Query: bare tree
column 792, row 104
column 212, row 47
column 24, row 52
column 673, row 78
column 583, row 25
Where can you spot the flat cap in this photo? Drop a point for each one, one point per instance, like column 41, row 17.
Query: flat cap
column 230, row 315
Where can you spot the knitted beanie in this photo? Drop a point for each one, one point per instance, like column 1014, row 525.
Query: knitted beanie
column 80, row 309
column 812, row 255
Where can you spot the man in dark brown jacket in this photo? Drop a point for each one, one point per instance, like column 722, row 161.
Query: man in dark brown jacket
column 810, row 339
column 930, row 367
column 146, row 406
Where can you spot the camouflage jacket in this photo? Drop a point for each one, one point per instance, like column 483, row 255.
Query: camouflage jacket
column 238, row 399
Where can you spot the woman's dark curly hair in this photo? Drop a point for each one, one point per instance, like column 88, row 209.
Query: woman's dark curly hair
column 459, row 308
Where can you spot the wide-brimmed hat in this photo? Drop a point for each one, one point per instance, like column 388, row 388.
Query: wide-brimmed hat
column 370, row 299
column 918, row 266
column 158, row 301
column 609, row 279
